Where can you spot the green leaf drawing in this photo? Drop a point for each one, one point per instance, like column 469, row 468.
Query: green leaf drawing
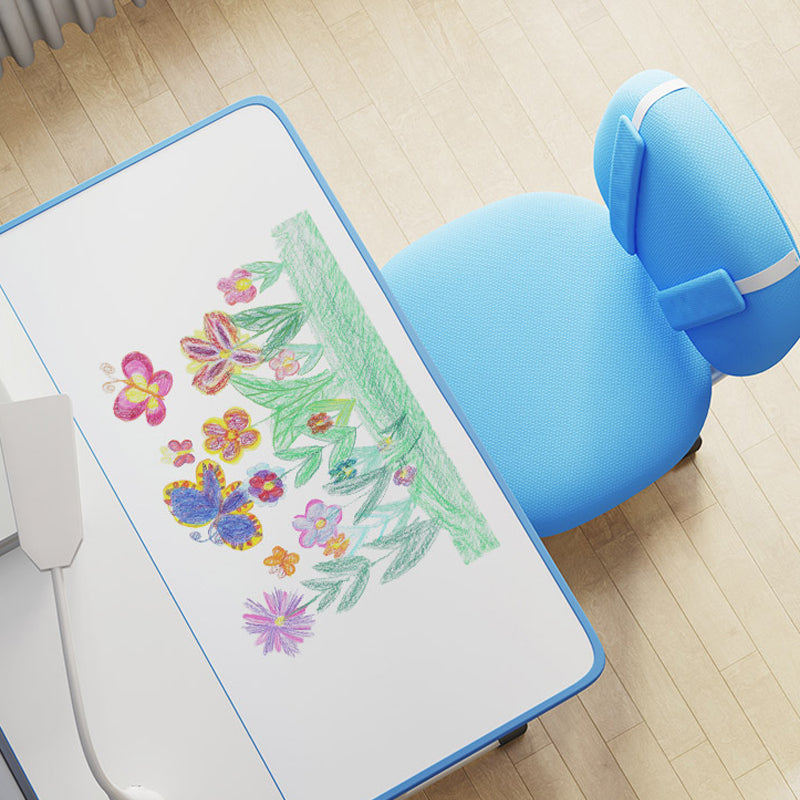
column 343, row 409
column 312, row 458
column 283, row 333
column 375, row 496
column 414, row 542
column 398, row 513
column 266, row 318
column 277, row 394
column 345, row 440
column 269, row 271
column 355, row 568
column 349, row 565
column 329, row 590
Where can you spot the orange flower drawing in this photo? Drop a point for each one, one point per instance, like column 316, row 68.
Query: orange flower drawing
column 281, row 563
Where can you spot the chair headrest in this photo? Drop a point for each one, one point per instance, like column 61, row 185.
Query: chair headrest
column 685, row 198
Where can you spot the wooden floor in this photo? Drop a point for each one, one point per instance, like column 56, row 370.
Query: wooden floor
column 418, row 111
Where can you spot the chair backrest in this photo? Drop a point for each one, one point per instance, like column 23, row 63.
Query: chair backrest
column 685, row 198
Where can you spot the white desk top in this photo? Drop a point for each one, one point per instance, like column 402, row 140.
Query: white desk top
column 423, row 670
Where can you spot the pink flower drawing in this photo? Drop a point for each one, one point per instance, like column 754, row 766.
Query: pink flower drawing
column 284, row 364
column 220, row 353
column 318, row 524
column 144, row 390
column 238, row 288
column 281, row 624
column 178, row 453
column 230, row 435
column 405, row 475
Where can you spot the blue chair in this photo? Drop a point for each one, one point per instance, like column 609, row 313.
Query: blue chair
column 578, row 339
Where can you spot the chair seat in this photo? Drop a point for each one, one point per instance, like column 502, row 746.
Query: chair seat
column 550, row 338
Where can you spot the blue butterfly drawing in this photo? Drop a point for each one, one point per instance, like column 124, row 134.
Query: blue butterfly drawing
column 210, row 502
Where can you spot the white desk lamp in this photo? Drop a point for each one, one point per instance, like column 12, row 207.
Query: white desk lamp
column 51, row 532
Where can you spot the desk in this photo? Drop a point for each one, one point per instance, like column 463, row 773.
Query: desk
column 436, row 622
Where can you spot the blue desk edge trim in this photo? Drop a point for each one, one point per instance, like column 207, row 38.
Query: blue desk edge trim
column 15, row 768
column 599, row 656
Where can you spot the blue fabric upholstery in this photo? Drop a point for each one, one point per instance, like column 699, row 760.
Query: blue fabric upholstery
column 551, row 338
column 700, row 206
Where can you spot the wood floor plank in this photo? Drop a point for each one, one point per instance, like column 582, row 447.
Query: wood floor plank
column 409, row 44
column 177, row 60
column 479, row 156
column 128, row 59
column 779, row 395
column 548, row 777
column 407, row 118
column 610, row 706
column 212, row 37
column 761, row 530
column 739, row 414
column 627, row 649
column 482, row 14
column 704, row 775
column 393, row 174
column 556, row 122
column 585, row 753
column 609, row 51
column 162, row 116
column 266, row 47
column 101, row 95
column 455, row 786
column 779, row 477
column 569, row 65
column 645, row 765
column 774, row 81
column 61, row 111
column 320, row 56
column 533, row 740
column 17, row 203
column 685, row 490
column 11, row 177
column 764, row 782
column 336, row 11
column 683, row 655
column 499, row 108
column 750, row 595
column 494, row 777
column 688, row 578
column 772, row 714
column 30, row 143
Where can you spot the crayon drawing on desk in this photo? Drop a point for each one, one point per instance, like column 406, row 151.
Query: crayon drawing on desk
column 336, row 544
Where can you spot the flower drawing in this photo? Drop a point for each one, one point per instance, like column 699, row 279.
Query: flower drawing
column 281, row 562
column 219, row 354
column 405, row 475
column 208, row 501
column 318, row 524
column 320, row 422
column 265, row 484
column 230, row 435
column 177, row 453
column 284, row 364
column 281, row 624
column 144, row 390
column 336, row 546
column 344, row 470
column 238, row 288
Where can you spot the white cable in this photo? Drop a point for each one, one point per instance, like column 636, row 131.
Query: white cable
column 65, row 628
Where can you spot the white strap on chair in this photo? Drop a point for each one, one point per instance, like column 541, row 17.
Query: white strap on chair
column 653, row 96
column 772, row 274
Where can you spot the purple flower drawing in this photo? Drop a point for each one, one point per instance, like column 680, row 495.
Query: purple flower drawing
column 281, row 624
column 318, row 524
